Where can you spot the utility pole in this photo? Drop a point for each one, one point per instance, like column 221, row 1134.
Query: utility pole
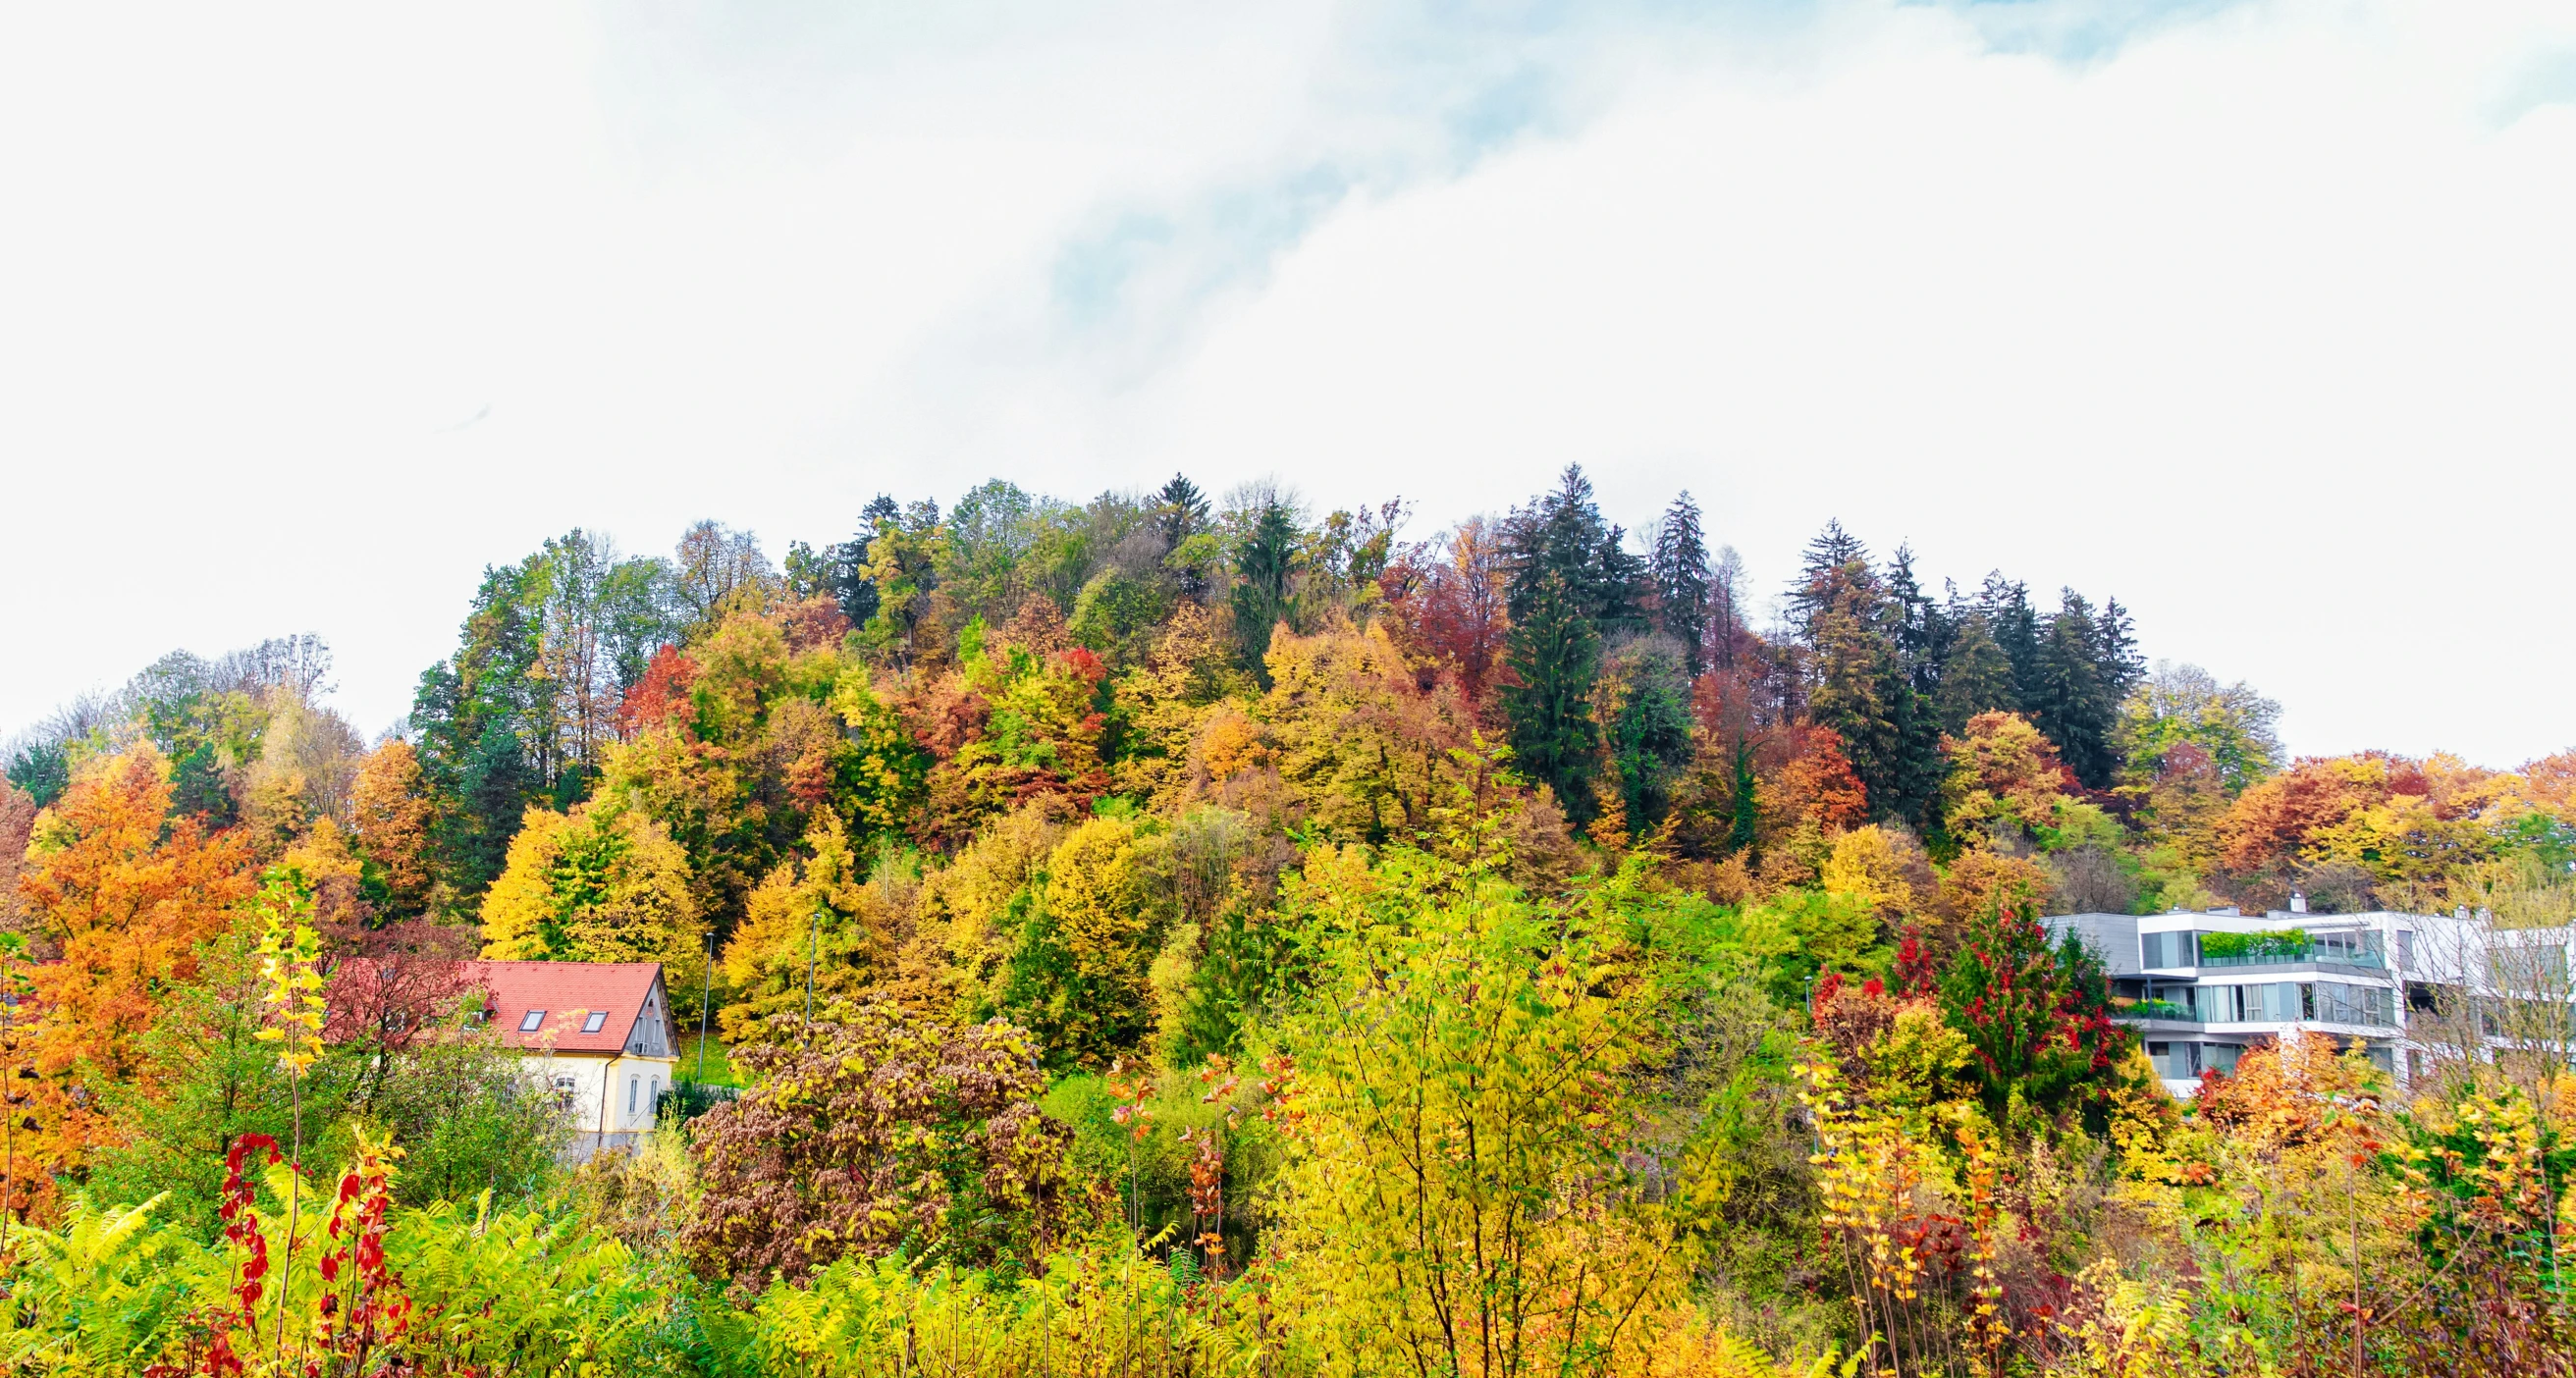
column 706, row 1000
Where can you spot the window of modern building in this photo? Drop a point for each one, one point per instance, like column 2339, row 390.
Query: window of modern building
column 2166, row 950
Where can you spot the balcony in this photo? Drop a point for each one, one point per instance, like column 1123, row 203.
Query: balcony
column 2356, row 960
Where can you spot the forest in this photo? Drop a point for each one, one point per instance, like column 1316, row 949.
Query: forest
column 1190, row 934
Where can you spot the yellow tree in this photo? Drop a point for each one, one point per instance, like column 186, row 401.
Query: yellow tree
column 819, row 910
column 599, row 885
column 1461, row 1091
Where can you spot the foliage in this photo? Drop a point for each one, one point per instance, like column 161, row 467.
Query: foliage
column 601, row 885
column 873, row 1130
column 1456, row 1015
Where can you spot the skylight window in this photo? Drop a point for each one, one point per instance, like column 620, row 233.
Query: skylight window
column 593, row 1024
column 534, row 1019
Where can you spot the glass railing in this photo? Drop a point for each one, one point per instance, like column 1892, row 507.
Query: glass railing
column 2158, row 1009
column 2338, row 956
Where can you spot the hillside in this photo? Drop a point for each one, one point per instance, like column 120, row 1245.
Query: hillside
column 1166, row 934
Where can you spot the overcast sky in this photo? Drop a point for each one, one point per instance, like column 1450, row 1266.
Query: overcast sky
column 2260, row 316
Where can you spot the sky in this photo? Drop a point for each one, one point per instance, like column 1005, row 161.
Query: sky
column 2258, row 316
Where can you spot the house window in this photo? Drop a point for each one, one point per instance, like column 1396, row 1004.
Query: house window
column 564, row 1087
column 633, row 1085
column 532, row 1021
column 597, row 1019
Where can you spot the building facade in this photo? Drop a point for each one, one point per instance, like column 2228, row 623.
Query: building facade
column 598, row 1035
column 2201, row 987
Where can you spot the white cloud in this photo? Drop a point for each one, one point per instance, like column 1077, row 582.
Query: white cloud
column 2253, row 315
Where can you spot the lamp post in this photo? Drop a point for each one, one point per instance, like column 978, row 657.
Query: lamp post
column 706, row 1000
column 813, row 940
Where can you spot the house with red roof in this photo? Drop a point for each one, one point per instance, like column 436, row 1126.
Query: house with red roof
column 598, row 1034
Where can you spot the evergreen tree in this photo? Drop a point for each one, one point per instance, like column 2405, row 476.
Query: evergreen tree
column 851, row 586
column 1744, row 802
column 2078, row 703
column 1923, row 631
column 1680, row 573
column 1265, row 561
column 1863, row 687
column 1563, row 534
column 1977, row 677
column 2015, row 627
column 1649, row 728
column 1555, row 656
column 1184, row 511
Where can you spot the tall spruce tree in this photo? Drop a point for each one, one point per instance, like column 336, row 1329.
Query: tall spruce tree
column 1265, row 560
column 1679, row 572
column 1855, row 625
column 2078, row 703
column 2015, row 627
column 1563, row 534
column 1977, row 677
column 1555, row 657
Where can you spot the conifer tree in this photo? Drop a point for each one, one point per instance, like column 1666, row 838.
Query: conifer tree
column 1265, row 560
column 1680, row 573
column 1555, row 656
column 1977, row 677
column 1863, row 688
column 1563, row 534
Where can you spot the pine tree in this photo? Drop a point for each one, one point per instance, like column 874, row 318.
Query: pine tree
column 1680, row 573
column 1555, row 656
column 1855, row 626
column 2078, row 703
column 1977, row 677
column 1563, row 534
column 2015, row 627
column 1264, row 568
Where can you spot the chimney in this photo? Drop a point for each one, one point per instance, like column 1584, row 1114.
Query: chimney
column 2298, row 903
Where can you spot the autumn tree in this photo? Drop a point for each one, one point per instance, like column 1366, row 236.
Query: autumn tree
column 1454, row 1012
column 392, row 814
column 2036, row 1015
column 125, row 893
column 2231, row 724
column 1450, row 612
column 597, row 885
column 1078, row 976
column 872, row 1130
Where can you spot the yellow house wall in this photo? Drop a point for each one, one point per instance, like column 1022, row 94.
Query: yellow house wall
column 591, row 1074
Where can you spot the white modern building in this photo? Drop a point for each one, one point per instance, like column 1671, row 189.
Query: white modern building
column 2201, row 987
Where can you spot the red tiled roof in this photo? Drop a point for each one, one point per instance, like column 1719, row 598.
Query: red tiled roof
column 566, row 992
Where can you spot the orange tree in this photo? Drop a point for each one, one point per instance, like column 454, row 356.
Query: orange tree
column 125, row 893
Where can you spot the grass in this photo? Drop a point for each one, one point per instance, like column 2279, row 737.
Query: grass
column 719, row 1066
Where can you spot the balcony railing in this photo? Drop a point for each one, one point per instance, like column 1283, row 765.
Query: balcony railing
column 2331, row 956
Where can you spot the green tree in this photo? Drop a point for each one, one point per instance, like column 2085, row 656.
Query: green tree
column 1265, row 563
column 2183, row 703
column 1554, row 655
column 1680, row 574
